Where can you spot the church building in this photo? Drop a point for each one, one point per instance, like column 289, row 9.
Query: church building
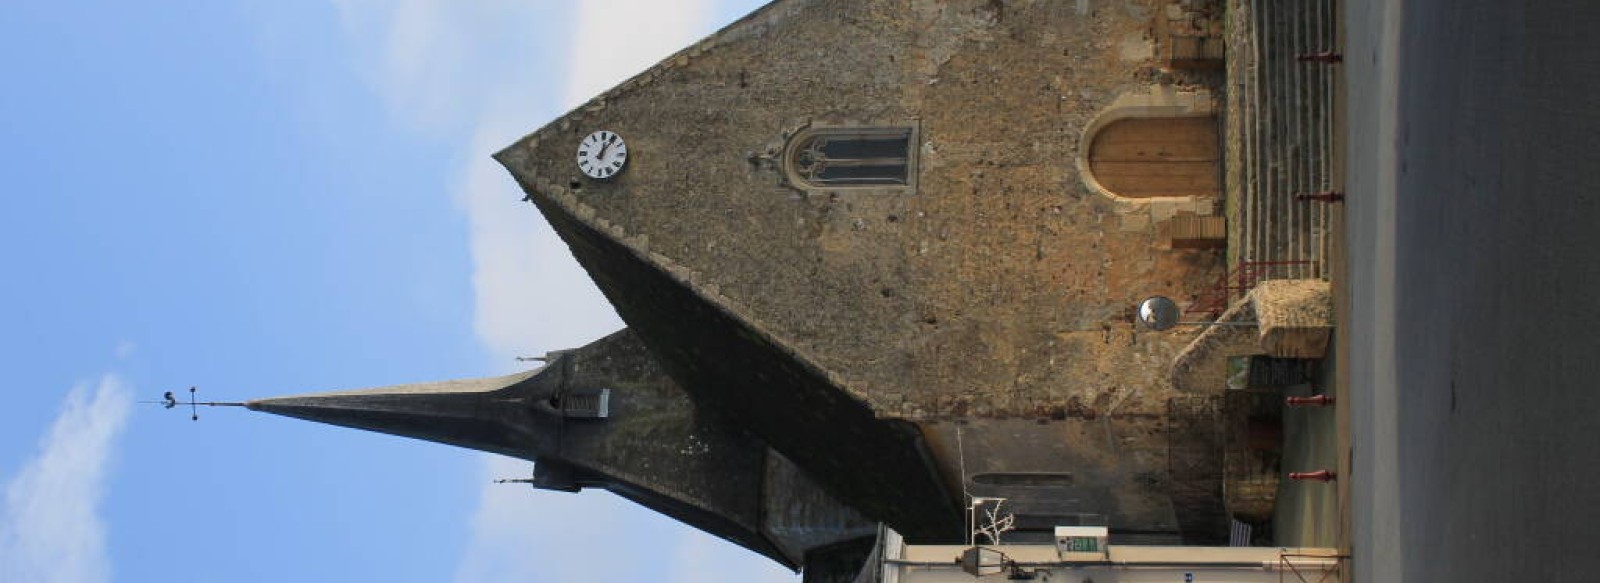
column 879, row 262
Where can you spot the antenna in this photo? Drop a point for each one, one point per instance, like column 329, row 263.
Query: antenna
column 514, row 481
column 168, row 402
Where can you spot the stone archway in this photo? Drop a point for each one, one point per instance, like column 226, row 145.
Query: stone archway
column 1146, row 157
column 1159, row 146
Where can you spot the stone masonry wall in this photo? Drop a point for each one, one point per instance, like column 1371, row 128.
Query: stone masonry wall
column 1001, row 287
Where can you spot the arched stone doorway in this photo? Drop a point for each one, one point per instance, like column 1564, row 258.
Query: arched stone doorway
column 1146, row 157
column 1159, row 146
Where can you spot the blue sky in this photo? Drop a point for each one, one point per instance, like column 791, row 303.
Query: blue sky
column 263, row 198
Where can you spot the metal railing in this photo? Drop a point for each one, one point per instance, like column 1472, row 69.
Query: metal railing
column 1243, row 278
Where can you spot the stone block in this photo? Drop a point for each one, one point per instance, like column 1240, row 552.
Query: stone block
column 1295, row 317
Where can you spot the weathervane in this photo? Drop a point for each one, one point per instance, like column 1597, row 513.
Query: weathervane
column 168, row 401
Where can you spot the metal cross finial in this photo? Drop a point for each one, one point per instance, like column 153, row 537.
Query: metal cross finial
column 168, row 402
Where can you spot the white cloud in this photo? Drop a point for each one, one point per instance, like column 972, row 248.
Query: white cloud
column 616, row 39
column 531, row 295
column 702, row 558
column 521, row 534
column 428, row 56
column 50, row 529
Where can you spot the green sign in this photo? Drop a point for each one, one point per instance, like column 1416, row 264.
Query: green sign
column 1083, row 544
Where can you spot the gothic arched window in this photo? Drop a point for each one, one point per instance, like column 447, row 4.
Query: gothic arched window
column 851, row 157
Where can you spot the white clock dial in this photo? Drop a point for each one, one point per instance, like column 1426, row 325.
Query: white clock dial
column 602, row 154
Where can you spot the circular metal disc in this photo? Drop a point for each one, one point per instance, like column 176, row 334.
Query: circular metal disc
column 1158, row 313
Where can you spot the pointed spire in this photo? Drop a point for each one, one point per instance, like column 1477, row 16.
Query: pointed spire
column 497, row 414
column 606, row 416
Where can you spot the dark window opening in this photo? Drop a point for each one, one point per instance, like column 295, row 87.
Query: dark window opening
column 862, row 157
column 586, row 404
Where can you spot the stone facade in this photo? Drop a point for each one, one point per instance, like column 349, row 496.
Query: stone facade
column 989, row 288
column 896, row 341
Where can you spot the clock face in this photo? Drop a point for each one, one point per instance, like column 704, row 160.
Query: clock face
column 602, row 154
